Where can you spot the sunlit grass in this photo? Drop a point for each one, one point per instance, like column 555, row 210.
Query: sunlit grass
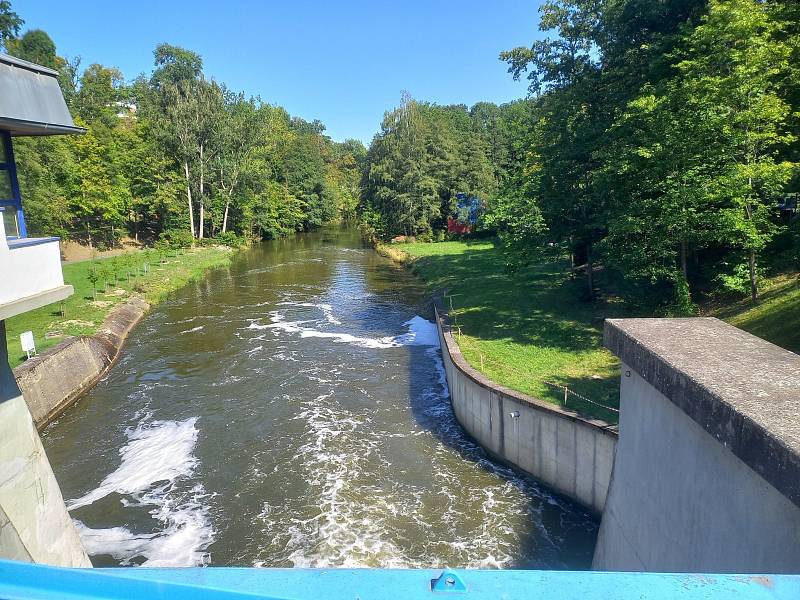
column 83, row 314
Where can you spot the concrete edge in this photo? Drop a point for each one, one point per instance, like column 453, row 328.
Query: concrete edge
column 28, row 303
column 756, row 446
column 459, row 361
column 104, row 348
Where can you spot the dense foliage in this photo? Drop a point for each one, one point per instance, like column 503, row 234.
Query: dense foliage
column 174, row 152
column 655, row 148
column 425, row 154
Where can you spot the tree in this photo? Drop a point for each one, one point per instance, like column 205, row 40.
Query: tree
column 734, row 63
column 100, row 197
column 565, row 72
column 34, row 46
column 189, row 110
column 98, row 95
column 239, row 131
column 175, row 65
column 10, row 23
column 93, row 276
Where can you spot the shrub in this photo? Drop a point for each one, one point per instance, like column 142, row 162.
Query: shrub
column 178, row 238
column 229, row 238
column 738, row 281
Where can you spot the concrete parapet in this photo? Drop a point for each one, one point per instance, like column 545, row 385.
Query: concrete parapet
column 707, row 472
column 570, row 454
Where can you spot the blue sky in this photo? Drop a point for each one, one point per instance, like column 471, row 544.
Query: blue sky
column 344, row 63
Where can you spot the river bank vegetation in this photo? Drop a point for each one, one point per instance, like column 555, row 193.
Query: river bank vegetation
column 100, row 285
column 174, row 152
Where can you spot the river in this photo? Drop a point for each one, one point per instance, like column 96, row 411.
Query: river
column 291, row 410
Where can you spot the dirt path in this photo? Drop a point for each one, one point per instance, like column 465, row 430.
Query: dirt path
column 74, row 252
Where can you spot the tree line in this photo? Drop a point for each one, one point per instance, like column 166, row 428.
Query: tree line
column 658, row 149
column 174, row 153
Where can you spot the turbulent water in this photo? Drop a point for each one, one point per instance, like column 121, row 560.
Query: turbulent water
column 292, row 411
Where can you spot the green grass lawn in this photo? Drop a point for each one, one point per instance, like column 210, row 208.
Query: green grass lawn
column 530, row 327
column 522, row 329
column 83, row 314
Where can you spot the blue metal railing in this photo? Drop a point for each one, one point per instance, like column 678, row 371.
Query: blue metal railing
column 25, row 580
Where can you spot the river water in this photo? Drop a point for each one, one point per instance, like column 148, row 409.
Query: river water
column 292, row 411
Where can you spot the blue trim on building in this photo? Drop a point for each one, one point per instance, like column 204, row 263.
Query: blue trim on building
column 10, row 166
column 26, row 580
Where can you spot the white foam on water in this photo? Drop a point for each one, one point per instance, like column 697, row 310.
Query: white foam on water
column 420, row 332
column 194, row 329
column 345, row 532
column 157, row 457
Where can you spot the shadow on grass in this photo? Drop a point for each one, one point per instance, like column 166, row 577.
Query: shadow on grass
column 538, row 305
column 601, row 391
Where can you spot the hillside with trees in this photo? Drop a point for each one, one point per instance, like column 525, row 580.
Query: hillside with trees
column 657, row 150
column 174, row 153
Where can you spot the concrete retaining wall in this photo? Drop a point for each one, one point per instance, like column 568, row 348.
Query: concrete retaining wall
column 572, row 455
column 53, row 380
column 708, row 462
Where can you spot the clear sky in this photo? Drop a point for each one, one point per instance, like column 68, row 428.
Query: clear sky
column 344, row 62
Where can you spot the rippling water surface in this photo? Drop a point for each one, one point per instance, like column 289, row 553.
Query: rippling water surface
column 292, row 411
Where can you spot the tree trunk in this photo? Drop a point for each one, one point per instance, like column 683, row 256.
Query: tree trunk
column 225, row 216
column 684, row 268
column 189, row 196
column 589, row 271
column 752, row 258
column 202, row 206
column 571, row 258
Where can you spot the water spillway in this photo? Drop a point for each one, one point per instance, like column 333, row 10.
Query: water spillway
column 292, row 411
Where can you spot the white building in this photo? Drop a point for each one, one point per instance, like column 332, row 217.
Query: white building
column 34, row 523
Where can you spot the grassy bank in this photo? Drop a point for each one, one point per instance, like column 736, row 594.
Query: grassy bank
column 527, row 330
column 776, row 318
column 83, row 314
